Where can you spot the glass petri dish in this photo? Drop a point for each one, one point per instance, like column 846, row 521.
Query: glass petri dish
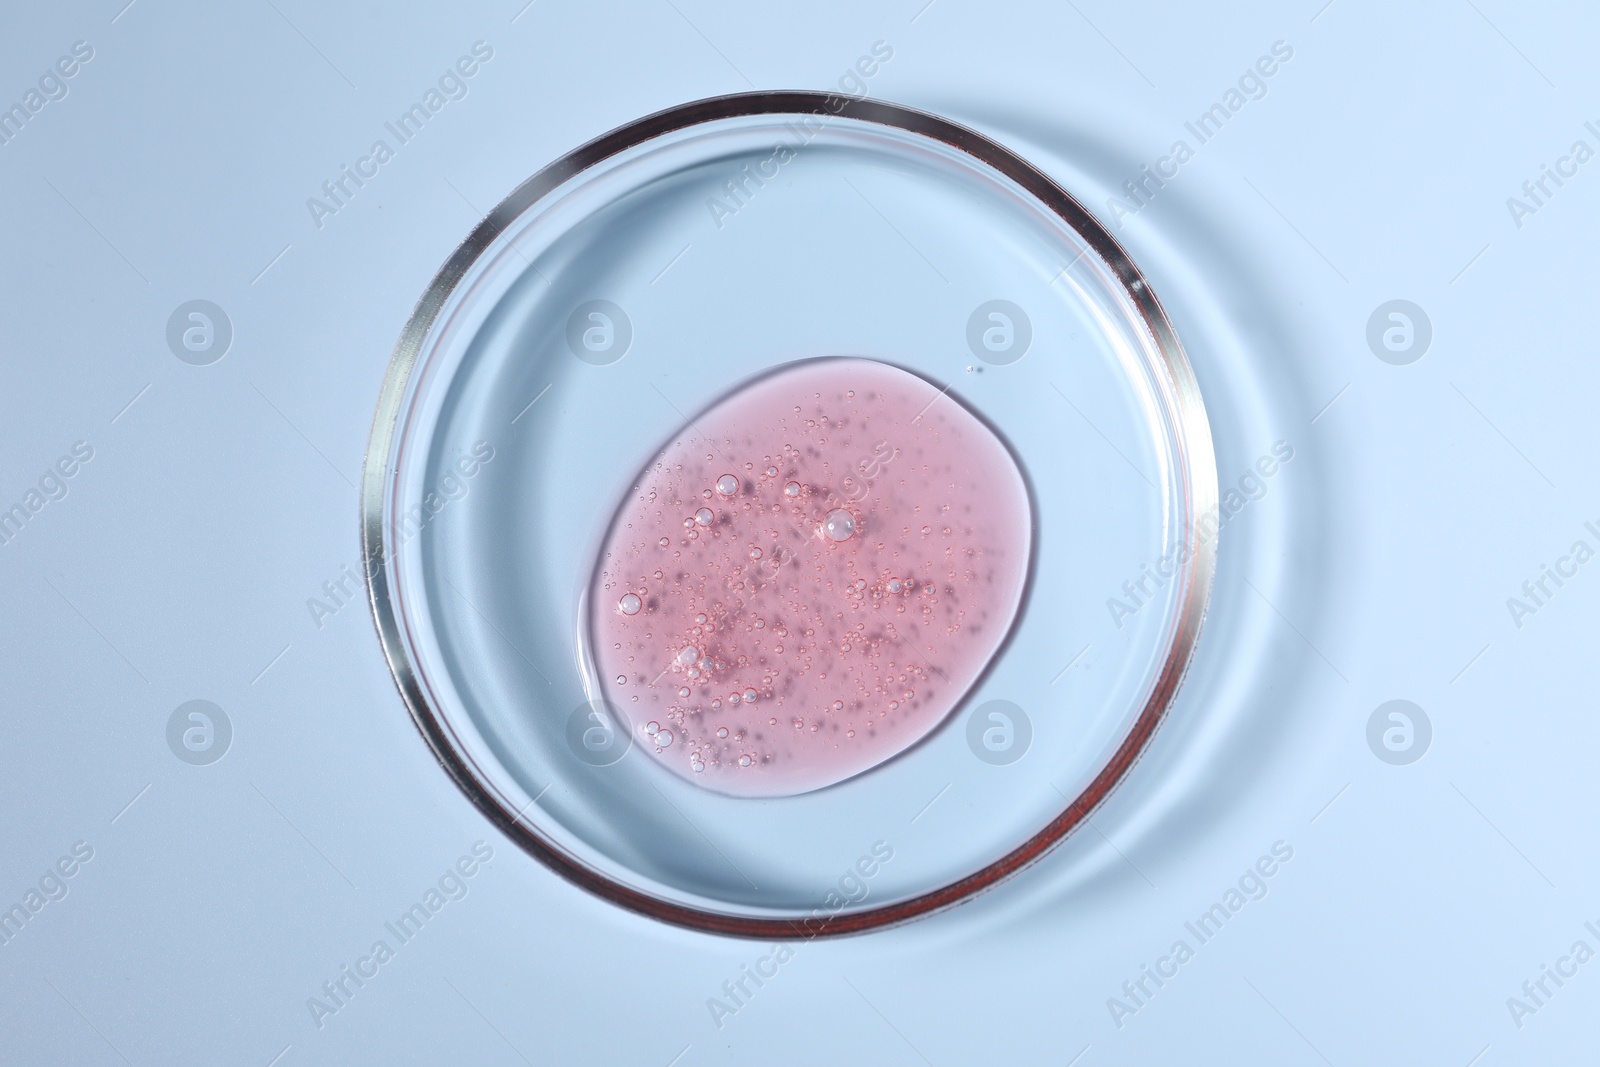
column 633, row 320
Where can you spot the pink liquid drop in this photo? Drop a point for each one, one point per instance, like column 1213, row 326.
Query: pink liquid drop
column 865, row 556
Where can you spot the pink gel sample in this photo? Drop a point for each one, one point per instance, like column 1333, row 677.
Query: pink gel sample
column 809, row 578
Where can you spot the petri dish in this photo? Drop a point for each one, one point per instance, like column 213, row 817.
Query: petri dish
column 786, row 515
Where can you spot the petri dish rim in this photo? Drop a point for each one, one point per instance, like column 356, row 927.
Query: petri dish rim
column 1195, row 476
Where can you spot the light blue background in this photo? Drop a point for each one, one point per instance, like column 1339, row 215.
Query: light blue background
column 178, row 566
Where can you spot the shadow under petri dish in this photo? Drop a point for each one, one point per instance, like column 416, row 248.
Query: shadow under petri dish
column 808, row 578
